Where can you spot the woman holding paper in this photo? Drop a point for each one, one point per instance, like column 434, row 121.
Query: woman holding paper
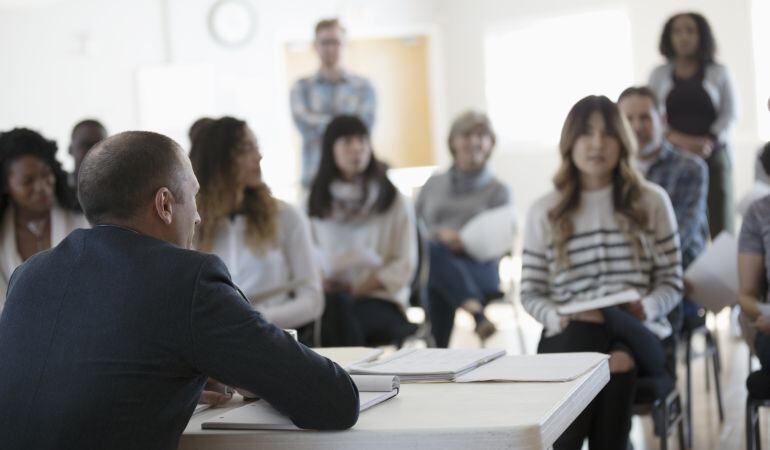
column 446, row 204
column 365, row 234
column 264, row 242
column 602, row 231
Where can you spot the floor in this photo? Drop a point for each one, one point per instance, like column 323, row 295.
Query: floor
column 519, row 333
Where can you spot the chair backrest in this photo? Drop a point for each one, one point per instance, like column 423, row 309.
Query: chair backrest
column 419, row 285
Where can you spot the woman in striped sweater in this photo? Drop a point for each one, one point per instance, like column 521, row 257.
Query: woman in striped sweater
column 601, row 231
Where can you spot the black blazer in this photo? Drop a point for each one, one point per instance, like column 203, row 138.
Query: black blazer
column 107, row 339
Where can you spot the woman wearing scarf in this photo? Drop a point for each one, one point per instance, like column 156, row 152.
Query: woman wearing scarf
column 446, row 203
column 365, row 234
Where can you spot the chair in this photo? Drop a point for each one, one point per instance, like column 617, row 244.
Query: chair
column 758, row 386
column 658, row 397
column 711, row 353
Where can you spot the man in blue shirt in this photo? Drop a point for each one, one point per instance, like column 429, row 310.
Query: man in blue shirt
column 683, row 176
column 330, row 92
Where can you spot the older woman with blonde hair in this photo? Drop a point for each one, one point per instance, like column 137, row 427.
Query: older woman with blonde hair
column 603, row 230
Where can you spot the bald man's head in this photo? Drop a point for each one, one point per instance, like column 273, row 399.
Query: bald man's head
column 120, row 176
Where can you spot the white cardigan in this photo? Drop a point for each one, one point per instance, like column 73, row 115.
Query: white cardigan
column 390, row 237
column 716, row 82
column 288, row 261
column 63, row 222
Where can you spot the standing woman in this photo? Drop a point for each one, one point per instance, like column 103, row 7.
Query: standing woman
column 446, row 203
column 603, row 230
column 35, row 203
column 366, row 238
column 701, row 106
column 264, row 242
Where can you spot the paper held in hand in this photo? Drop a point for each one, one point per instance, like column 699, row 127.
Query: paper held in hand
column 630, row 295
column 714, row 274
column 489, row 235
column 259, row 415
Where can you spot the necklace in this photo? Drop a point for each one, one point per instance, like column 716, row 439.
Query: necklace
column 38, row 228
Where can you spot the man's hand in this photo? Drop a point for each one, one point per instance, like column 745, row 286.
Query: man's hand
column 215, row 393
column 336, row 286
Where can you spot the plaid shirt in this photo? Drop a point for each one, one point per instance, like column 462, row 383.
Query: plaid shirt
column 685, row 178
column 316, row 101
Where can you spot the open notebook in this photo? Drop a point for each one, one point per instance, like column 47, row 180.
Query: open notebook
column 259, row 415
column 428, row 364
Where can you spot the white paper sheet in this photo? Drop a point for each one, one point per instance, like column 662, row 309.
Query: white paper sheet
column 489, row 235
column 429, row 364
column 619, row 298
column 552, row 367
column 714, row 274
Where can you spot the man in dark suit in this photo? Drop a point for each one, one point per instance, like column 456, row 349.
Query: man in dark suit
column 107, row 339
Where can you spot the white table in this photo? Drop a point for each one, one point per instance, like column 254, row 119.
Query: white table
column 430, row 415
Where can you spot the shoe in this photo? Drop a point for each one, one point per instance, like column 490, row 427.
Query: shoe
column 485, row 329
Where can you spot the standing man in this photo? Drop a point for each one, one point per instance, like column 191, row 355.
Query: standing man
column 330, row 92
column 683, row 176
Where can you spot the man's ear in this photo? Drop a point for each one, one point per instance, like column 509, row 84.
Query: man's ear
column 164, row 205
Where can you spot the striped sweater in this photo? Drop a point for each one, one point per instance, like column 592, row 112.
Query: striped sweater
column 601, row 259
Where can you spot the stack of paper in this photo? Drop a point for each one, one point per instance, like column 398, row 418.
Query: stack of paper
column 714, row 274
column 429, row 364
column 552, row 367
column 259, row 415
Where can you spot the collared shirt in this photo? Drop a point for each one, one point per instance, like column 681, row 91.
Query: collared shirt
column 685, row 179
column 315, row 101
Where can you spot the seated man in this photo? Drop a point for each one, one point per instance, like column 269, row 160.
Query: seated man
column 107, row 339
column 683, row 176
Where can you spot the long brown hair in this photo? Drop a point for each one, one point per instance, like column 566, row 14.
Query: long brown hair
column 627, row 183
column 213, row 154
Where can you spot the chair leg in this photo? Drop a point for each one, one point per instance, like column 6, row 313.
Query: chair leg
column 750, row 443
column 680, row 426
column 663, row 426
column 757, row 434
column 714, row 350
column 688, row 383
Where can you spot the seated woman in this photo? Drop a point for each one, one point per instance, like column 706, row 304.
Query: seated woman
column 264, row 242
column 601, row 231
column 446, row 203
column 366, row 237
column 754, row 274
column 35, row 203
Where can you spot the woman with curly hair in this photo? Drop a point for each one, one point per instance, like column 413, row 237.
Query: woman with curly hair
column 264, row 242
column 602, row 230
column 35, row 203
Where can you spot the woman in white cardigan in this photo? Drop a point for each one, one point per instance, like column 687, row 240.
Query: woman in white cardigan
column 35, row 204
column 264, row 242
column 701, row 106
column 366, row 236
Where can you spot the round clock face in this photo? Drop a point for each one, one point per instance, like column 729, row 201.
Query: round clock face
column 232, row 22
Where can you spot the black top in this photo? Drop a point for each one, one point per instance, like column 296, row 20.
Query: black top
column 107, row 339
column 688, row 106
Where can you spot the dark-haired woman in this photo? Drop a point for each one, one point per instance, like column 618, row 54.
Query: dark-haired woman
column 35, row 202
column 603, row 230
column 701, row 106
column 365, row 233
column 264, row 242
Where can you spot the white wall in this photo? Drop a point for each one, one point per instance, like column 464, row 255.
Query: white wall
column 68, row 59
